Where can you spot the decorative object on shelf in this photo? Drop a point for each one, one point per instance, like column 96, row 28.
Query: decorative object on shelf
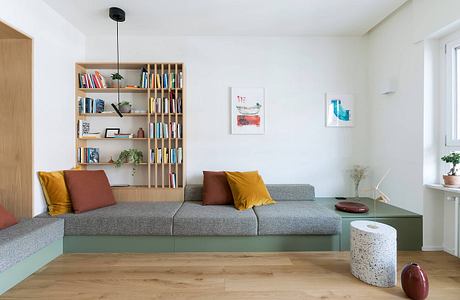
column 140, row 133
column 351, row 207
column 248, row 110
column 373, row 253
column 116, row 80
column 111, row 132
column 339, row 110
column 414, row 282
column 133, row 156
column 452, row 179
column 378, row 194
column 357, row 174
column 111, row 160
column 118, row 15
column 124, row 107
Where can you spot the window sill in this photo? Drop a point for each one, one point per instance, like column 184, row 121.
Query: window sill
column 440, row 187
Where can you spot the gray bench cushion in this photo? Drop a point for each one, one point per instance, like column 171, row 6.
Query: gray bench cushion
column 297, row 218
column 133, row 218
column 26, row 238
column 195, row 219
column 279, row 192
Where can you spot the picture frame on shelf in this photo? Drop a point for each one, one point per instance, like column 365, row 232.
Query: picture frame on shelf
column 111, row 132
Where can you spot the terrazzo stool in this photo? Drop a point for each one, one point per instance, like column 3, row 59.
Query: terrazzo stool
column 373, row 253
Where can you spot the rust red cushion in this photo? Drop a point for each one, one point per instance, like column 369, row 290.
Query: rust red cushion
column 88, row 190
column 216, row 190
column 6, row 218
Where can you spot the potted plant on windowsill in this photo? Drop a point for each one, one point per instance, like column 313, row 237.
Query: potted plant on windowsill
column 133, row 156
column 452, row 179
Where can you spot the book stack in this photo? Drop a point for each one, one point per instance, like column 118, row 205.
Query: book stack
column 165, row 155
column 172, row 180
column 88, row 105
column 84, row 130
column 123, row 136
column 92, row 81
column 88, row 155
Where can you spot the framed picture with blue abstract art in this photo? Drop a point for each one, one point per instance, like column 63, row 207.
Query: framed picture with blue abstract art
column 248, row 110
column 339, row 110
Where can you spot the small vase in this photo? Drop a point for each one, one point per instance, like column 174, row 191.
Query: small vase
column 140, row 133
column 414, row 282
column 356, row 190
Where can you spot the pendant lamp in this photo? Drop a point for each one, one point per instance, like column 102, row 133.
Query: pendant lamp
column 118, row 15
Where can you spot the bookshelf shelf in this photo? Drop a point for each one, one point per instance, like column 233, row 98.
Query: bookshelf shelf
column 160, row 99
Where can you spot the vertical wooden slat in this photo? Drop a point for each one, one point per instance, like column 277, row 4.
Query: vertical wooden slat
column 149, row 162
column 177, row 121
column 162, row 121
column 155, row 121
column 169, row 120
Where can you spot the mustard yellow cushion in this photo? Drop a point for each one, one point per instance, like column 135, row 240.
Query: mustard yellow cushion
column 55, row 191
column 248, row 189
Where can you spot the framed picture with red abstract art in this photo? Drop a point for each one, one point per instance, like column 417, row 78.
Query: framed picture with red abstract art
column 248, row 110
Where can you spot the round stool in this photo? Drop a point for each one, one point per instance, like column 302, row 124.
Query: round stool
column 373, row 253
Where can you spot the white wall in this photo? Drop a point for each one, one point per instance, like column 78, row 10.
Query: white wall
column 57, row 45
column 406, row 126
column 296, row 73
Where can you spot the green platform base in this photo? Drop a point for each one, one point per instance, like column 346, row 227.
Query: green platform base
column 28, row 266
column 148, row 244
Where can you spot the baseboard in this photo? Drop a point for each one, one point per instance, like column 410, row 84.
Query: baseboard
column 432, row 248
column 28, row 266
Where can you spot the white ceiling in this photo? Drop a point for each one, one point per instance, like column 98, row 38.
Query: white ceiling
column 228, row 17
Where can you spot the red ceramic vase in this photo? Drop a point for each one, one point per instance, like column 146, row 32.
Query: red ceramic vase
column 414, row 282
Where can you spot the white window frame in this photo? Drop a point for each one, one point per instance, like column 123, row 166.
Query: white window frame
column 452, row 113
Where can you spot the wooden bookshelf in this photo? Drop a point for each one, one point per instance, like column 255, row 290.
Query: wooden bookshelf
column 155, row 176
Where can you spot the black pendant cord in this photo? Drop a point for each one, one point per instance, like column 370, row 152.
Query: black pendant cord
column 118, row 68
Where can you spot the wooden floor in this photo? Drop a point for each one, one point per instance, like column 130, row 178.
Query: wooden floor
column 311, row 275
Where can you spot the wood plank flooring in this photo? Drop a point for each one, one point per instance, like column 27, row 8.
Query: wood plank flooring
column 291, row 275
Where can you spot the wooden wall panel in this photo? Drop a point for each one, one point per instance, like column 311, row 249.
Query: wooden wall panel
column 16, row 139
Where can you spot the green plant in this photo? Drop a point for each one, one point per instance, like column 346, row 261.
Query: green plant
column 133, row 156
column 116, row 76
column 124, row 103
column 454, row 159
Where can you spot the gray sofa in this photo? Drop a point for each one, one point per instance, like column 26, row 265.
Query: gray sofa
column 295, row 213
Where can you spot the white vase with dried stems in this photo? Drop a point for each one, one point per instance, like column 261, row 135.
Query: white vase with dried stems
column 357, row 174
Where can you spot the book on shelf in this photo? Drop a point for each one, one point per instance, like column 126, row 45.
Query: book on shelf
column 165, row 105
column 88, row 105
column 88, row 155
column 92, row 81
column 144, row 82
column 172, row 180
column 160, row 130
column 165, row 155
column 123, row 136
column 84, row 130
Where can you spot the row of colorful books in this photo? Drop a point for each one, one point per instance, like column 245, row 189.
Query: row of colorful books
column 162, row 130
column 88, row 155
column 92, row 81
column 172, row 180
column 165, row 105
column 165, row 155
column 167, row 80
column 88, row 105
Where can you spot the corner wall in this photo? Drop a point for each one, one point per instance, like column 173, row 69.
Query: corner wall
column 57, row 45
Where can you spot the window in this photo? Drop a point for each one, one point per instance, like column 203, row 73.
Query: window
column 452, row 51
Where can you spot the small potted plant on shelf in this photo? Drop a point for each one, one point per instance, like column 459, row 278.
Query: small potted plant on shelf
column 452, row 179
column 124, row 107
column 116, row 78
column 133, row 156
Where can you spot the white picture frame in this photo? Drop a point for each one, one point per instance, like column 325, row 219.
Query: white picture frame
column 247, row 110
column 339, row 110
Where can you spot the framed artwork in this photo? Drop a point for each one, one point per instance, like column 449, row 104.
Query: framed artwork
column 110, row 132
column 248, row 110
column 339, row 110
